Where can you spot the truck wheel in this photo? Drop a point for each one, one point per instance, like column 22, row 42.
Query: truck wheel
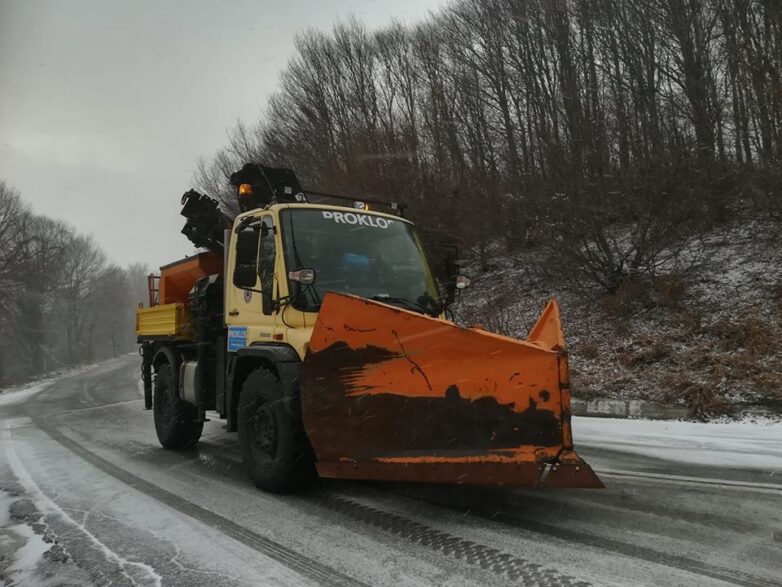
column 274, row 446
column 176, row 421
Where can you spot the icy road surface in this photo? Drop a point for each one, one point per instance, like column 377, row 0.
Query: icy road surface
column 89, row 497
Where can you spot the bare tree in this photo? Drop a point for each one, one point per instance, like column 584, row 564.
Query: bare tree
column 527, row 120
column 60, row 303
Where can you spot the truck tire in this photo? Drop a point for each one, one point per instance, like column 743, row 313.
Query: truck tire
column 176, row 421
column 274, row 447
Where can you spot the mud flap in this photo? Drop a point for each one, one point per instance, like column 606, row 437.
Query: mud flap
column 391, row 394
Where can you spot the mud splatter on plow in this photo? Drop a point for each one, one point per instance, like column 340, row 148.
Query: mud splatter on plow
column 391, row 394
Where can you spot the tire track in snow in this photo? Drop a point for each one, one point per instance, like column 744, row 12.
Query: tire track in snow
column 575, row 536
column 48, row 506
column 473, row 553
column 495, row 561
column 305, row 566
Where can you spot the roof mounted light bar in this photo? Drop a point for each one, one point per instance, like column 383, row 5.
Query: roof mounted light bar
column 396, row 207
column 258, row 186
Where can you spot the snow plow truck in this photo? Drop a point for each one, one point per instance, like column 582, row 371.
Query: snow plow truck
column 318, row 331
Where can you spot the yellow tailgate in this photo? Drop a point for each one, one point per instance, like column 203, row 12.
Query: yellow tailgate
column 164, row 320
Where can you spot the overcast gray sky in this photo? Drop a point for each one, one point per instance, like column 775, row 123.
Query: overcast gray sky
column 106, row 106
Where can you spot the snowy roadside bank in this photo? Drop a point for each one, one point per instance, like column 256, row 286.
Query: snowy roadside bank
column 18, row 393
column 746, row 445
column 702, row 335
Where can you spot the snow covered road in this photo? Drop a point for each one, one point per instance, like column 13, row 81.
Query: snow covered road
column 89, row 497
column 743, row 445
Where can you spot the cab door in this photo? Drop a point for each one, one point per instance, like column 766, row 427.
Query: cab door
column 250, row 313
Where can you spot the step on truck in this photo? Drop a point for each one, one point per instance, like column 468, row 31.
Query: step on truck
column 318, row 331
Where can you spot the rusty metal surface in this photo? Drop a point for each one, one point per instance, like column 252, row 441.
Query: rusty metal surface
column 408, row 394
column 453, row 472
column 528, row 474
column 572, row 474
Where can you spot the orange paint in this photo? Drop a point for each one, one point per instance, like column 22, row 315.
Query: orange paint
column 392, row 394
column 432, row 355
column 177, row 279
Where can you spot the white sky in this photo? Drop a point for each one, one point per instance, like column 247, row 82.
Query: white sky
column 105, row 106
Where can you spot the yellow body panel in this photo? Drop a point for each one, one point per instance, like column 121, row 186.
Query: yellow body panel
column 243, row 309
column 164, row 320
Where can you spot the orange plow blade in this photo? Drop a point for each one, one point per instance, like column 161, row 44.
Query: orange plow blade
column 390, row 394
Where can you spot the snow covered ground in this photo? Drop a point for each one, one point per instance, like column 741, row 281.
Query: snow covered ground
column 703, row 336
column 19, row 393
column 21, row 549
column 744, row 445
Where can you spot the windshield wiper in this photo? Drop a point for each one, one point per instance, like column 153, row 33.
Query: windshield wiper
column 405, row 303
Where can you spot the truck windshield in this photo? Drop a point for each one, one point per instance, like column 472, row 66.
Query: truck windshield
column 370, row 256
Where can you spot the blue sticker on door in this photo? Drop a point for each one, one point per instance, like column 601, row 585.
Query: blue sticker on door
column 237, row 337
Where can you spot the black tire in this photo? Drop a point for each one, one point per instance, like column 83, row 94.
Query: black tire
column 176, row 421
column 275, row 450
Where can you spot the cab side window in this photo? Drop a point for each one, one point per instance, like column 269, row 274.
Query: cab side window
column 246, row 267
column 266, row 257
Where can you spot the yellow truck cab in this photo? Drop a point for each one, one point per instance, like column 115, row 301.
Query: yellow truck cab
column 283, row 259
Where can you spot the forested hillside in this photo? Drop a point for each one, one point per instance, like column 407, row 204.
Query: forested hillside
column 702, row 335
column 617, row 153
column 540, row 122
column 599, row 146
column 62, row 302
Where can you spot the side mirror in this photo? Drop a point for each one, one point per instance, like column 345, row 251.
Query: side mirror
column 302, row 276
column 462, row 281
column 245, row 276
